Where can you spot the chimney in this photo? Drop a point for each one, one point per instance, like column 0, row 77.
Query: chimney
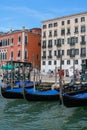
column 23, row 28
column 10, row 30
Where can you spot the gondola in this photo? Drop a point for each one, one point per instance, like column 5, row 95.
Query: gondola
column 41, row 95
column 17, row 91
column 77, row 97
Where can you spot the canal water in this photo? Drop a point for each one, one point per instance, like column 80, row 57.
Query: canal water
column 23, row 115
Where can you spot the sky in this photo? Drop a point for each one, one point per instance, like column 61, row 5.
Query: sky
column 30, row 13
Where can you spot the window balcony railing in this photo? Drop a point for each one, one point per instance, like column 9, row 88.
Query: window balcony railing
column 72, row 55
column 58, row 45
column 76, row 32
column 72, row 43
column 68, row 33
column 83, row 42
column 83, row 54
column 49, row 46
column 49, row 56
column 43, row 47
column 43, row 57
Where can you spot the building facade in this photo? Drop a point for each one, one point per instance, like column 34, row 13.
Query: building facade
column 21, row 45
column 67, row 36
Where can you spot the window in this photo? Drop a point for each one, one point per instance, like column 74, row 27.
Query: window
column 12, row 54
column 1, row 43
column 19, row 53
column 72, row 52
column 44, row 54
column 76, row 30
column 68, row 30
column 75, row 39
column 49, row 43
column 50, row 54
column 26, row 40
column 49, row 62
column 83, row 28
column 44, row 44
column 63, row 32
column 76, row 20
column 43, row 63
column 50, row 25
column 3, row 55
column 55, row 32
column 68, row 52
column 72, row 40
column 62, row 23
column 19, row 38
column 44, row 34
column 50, row 33
column 55, row 42
column 55, row 24
column 68, row 62
column 76, row 61
column 82, row 38
column 55, row 53
column 59, row 53
column 12, row 40
column 76, row 51
column 68, row 21
column 82, row 19
column 26, row 54
column 83, row 51
column 62, row 62
column 8, row 41
column 55, row 62
column 62, row 52
column 44, row 26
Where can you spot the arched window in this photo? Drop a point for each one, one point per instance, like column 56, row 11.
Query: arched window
column 19, row 53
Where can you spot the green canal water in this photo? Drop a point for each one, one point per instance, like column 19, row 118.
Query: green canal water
column 23, row 115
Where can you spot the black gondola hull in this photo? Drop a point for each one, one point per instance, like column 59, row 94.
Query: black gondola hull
column 36, row 97
column 70, row 101
column 14, row 95
column 11, row 95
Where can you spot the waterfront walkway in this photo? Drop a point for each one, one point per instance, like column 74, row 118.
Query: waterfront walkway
column 47, row 78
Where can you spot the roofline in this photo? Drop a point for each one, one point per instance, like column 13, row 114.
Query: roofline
column 80, row 13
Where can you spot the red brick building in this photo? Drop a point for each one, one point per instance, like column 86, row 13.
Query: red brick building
column 22, row 45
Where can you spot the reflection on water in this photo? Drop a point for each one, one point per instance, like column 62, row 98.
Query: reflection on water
column 23, row 115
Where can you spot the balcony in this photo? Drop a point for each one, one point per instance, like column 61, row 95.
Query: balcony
column 83, row 42
column 68, row 33
column 72, row 55
column 72, row 43
column 49, row 46
column 44, row 47
column 58, row 45
column 76, row 32
column 43, row 57
column 83, row 54
column 49, row 56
